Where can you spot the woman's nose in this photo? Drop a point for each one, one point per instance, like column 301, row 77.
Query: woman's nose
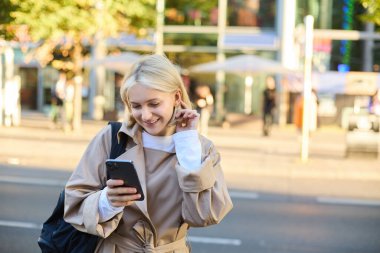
column 145, row 114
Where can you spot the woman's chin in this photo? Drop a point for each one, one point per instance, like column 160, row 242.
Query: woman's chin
column 160, row 130
column 153, row 129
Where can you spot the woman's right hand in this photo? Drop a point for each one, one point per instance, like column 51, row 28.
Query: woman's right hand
column 118, row 195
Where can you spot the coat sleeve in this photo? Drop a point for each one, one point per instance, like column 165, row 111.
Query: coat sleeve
column 205, row 196
column 83, row 189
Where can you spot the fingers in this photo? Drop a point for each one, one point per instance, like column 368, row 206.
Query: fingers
column 119, row 195
column 114, row 183
column 187, row 114
column 187, row 119
column 122, row 200
column 183, row 105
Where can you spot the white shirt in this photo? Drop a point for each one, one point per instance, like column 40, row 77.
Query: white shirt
column 187, row 147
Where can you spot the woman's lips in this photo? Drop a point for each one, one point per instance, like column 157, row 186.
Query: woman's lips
column 150, row 122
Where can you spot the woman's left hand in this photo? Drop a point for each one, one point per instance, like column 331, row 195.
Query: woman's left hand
column 187, row 118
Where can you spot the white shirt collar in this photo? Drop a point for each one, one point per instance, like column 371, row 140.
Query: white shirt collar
column 163, row 143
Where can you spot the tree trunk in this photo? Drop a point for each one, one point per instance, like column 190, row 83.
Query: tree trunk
column 1, row 87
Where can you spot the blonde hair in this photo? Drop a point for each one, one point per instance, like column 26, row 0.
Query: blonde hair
column 155, row 72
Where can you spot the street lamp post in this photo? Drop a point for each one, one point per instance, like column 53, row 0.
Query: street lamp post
column 309, row 22
column 160, row 8
column 98, row 72
column 220, row 75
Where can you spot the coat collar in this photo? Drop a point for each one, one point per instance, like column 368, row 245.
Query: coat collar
column 134, row 132
column 135, row 153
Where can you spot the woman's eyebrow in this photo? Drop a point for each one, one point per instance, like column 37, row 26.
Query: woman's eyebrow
column 147, row 101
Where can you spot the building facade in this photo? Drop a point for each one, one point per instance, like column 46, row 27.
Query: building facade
column 193, row 32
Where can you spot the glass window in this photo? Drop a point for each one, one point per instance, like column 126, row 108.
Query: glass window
column 255, row 13
column 190, row 39
column 347, row 52
column 188, row 12
column 336, row 14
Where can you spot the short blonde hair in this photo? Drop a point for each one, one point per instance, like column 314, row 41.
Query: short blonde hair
column 156, row 72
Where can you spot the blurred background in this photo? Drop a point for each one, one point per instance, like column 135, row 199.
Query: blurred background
column 287, row 90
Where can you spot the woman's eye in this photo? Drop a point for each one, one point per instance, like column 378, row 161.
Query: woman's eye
column 135, row 106
column 154, row 104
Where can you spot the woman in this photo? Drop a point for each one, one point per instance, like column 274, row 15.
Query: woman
column 179, row 170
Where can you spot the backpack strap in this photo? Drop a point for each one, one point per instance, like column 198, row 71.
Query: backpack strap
column 117, row 148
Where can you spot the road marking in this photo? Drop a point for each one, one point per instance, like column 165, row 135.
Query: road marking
column 13, row 161
column 19, row 224
column 215, row 240
column 32, row 181
column 57, row 182
column 195, row 239
column 341, row 201
column 243, row 195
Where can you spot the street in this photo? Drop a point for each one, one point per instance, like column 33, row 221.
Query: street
column 260, row 222
column 277, row 101
column 330, row 204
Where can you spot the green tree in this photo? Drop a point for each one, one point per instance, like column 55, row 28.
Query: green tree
column 373, row 11
column 64, row 25
column 6, row 7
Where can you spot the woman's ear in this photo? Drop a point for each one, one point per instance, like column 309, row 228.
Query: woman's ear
column 178, row 97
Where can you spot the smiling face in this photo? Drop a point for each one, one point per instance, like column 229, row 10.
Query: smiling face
column 152, row 109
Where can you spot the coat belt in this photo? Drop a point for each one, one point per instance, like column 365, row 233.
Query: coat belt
column 146, row 245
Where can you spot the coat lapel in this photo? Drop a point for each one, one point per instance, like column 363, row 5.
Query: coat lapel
column 136, row 154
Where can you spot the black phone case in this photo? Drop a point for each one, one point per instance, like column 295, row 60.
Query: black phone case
column 125, row 170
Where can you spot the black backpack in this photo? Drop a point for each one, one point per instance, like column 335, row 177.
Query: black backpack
column 58, row 236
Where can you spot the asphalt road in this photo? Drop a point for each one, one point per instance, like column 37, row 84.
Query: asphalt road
column 260, row 222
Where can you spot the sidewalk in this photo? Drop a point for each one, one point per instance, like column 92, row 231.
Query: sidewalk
column 250, row 161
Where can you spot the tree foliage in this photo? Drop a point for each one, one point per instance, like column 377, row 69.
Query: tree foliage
column 373, row 11
column 6, row 7
column 68, row 23
column 63, row 27
column 49, row 19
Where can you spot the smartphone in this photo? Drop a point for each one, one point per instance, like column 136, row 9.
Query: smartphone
column 124, row 170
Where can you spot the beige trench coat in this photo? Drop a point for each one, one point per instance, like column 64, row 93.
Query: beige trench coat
column 186, row 199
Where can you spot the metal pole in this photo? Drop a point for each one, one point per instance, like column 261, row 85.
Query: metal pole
column 9, row 75
column 98, row 72
column 220, row 75
column 368, row 48
column 286, row 20
column 248, row 82
column 40, row 89
column 160, row 8
column 309, row 22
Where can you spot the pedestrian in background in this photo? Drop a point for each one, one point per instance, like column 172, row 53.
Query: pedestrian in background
column 204, row 104
column 179, row 170
column 269, row 104
column 68, row 104
column 57, row 111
